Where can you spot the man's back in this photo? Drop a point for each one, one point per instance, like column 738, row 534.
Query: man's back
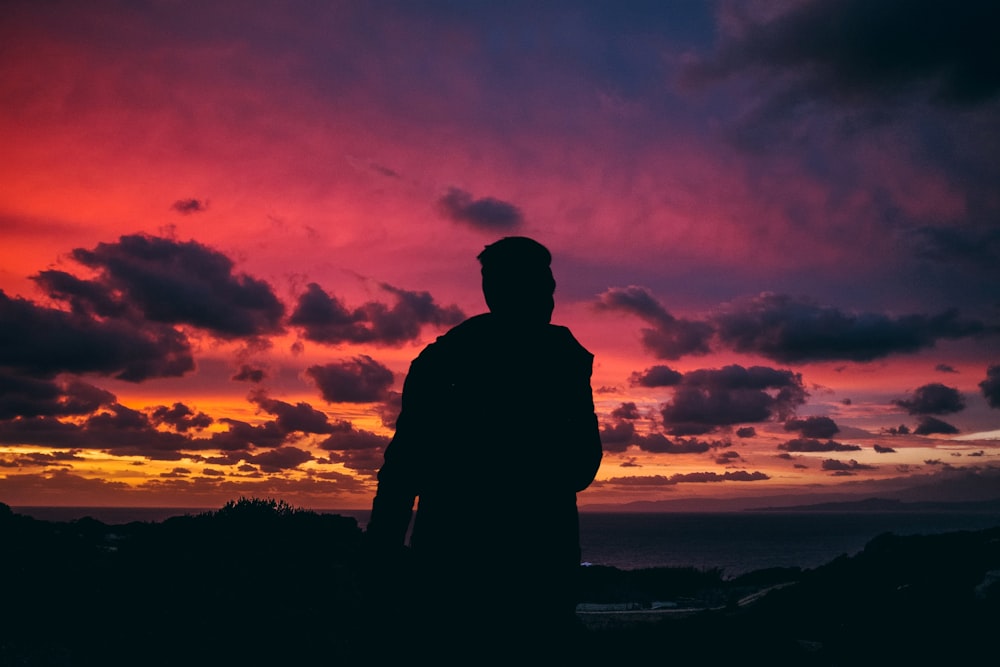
column 498, row 429
column 496, row 436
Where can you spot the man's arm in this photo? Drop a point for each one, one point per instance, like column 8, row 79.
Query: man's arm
column 398, row 478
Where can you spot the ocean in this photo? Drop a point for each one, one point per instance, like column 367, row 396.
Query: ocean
column 733, row 542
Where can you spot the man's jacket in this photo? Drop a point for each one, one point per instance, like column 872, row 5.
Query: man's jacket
column 496, row 436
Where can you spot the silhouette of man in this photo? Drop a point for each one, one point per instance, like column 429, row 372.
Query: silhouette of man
column 496, row 436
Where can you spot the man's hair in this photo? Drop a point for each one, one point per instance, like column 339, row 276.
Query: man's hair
column 519, row 260
column 517, row 281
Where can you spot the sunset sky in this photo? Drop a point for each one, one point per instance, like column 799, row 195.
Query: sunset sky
column 227, row 227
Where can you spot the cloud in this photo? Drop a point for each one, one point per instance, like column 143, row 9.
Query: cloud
column 32, row 397
column 388, row 410
column 708, row 398
column 932, row 425
column 746, row 432
column 690, row 478
column 189, row 206
column 727, row 457
column 669, row 337
column 300, row 417
column 279, row 459
column 991, row 386
column 656, row 376
column 181, row 417
column 179, row 282
column 485, row 213
column 657, row 443
column 117, row 429
column 346, row 437
column 249, row 374
column 42, row 459
column 813, row 427
column 945, row 368
column 884, row 450
column 852, row 465
column 627, row 410
column 324, row 319
column 618, row 436
column 243, row 436
column 856, row 50
column 933, row 399
column 814, row 445
column 359, row 380
column 787, row 330
column 45, row 341
column 356, row 448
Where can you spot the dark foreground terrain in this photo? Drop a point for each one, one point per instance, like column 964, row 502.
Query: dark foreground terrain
column 258, row 582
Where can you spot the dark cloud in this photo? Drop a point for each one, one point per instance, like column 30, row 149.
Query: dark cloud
column 657, row 443
column 746, row 432
column 669, row 337
column 656, row 376
column 189, row 206
column 884, row 450
column 243, row 436
column 300, row 417
column 855, row 49
column 357, row 449
column 975, row 245
column 691, row 477
column 116, row 429
column 731, row 476
column 42, row 459
column 814, row 445
column 785, row 329
column 945, row 368
column 181, row 417
column 359, row 380
column 727, row 457
column 249, row 374
column 46, row 341
column 644, row 480
column 85, row 297
column 179, row 282
column 618, row 436
column 628, row 410
column 813, row 427
column 485, row 213
column 324, row 319
column 931, row 425
column 345, row 437
column 707, row 398
column 834, row 465
column 279, row 459
column 933, row 399
column 991, row 386
column 389, row 409
column 31, row 397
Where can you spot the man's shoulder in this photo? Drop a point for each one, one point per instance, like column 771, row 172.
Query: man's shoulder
column 461, row 336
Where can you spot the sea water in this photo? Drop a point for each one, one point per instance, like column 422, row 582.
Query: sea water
column 733, row 542
column 741, row 542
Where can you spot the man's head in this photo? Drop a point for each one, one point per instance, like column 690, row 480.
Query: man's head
column 517, row 281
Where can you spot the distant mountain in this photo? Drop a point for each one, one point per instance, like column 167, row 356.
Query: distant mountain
column 714, row 504
column 941, row 490
column 891, row 505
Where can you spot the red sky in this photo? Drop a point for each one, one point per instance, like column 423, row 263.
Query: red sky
column 227, row 229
